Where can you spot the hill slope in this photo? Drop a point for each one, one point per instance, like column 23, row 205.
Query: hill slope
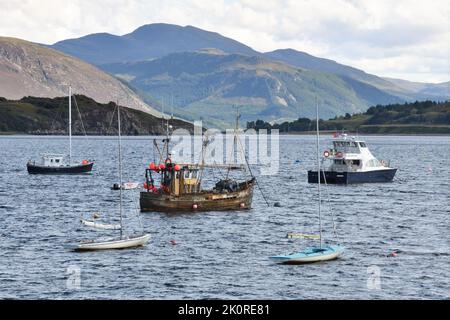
column 28, row 69
column 209, row 83
column 147, row 42
column 32, row 115
column 406, row 90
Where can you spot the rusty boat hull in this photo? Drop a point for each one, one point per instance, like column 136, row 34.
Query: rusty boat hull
column 199, row 202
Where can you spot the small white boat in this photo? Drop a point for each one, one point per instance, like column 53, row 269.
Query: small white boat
column 113, row 244
column 102, row 226
column 126, row 186
column 124, row 241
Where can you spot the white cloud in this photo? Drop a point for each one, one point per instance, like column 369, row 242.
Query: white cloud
column 403, row 38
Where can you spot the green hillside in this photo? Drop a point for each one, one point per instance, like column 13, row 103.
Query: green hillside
column 427, row 117
column 47, row 116
column 208, row 84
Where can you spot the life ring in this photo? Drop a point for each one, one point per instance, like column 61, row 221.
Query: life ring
column 326, row 154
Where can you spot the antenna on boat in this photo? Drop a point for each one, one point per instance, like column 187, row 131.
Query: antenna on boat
column 70, row 124
column 319, row 171
column 120, row 170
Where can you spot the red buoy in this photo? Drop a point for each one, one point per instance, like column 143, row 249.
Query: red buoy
column 152, row 166
column 162, row 166
column 177, row 168
column 85, row 162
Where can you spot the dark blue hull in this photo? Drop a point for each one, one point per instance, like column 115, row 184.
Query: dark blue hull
column 333, row 177
column 80, row 169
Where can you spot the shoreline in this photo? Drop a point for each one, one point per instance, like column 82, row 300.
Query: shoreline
column 305, row 133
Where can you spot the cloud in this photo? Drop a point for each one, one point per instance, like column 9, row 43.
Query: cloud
column 407, row 38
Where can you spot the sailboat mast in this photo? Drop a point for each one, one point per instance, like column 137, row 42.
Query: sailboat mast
column 120, row 170
column 70, row 125
column 319, row 172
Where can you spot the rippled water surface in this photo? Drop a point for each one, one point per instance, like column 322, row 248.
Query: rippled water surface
column 225, row 255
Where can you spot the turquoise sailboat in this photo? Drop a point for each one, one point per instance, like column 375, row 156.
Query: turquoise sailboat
column 323, row 252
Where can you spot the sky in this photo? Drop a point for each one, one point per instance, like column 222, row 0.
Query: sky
column 406, row 39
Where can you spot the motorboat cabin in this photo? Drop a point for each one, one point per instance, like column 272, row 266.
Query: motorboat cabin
column 352, row 162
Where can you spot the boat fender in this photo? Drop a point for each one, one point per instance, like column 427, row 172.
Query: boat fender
column 326, row 154
column 339, row 154
column 85, row 162
column 195, row 206
column 243, row 205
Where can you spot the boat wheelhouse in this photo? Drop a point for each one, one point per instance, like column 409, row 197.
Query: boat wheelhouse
column 352, row 162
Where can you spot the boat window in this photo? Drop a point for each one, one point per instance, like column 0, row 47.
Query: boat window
column 363, row 145
column 57, row 160
column 339, row 161
column 51, row 160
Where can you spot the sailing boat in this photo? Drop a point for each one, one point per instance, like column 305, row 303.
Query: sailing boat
column 124, row 242
column 56, row 163
column 323, row 252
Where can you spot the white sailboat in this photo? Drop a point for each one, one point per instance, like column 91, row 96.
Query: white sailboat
column 125, row 241
column 323, row 252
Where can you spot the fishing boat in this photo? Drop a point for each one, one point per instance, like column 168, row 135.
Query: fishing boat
column 124, row 241
column 58, row 163
column 352, row 162
column 180, row 188
column 322, row 252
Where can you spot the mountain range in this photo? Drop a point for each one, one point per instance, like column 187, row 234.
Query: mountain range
column 200, row 74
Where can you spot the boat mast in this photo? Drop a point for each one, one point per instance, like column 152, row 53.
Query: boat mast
column 319, row 172
column 120, row 171
column 70, row 125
